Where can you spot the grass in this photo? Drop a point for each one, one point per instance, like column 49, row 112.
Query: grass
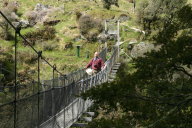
column 66, row 60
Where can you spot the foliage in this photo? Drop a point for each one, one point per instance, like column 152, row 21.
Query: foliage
column 105, row 123
column 31, row 17
column 155, row 13
column 11, row 5
column 6, row 60
column 90, row 28
column 30, row 59
column 107, row 3
column 1, row 76
column 155, row 92
column 49, row 46
column 9, row 10
column 44, row 34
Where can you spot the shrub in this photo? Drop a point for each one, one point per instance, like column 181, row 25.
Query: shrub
column 44, row 34
column 90, row 28
column 78, row 15
column 9, row 10
column 7, row 63
column 68, row 45
column 131, row 1
column 107, row 3
column 12, row 6
column 26, row 57
column 49, row 46
column 31, row 16
column 153, row 15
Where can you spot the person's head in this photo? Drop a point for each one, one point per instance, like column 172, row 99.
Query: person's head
column 96, row 54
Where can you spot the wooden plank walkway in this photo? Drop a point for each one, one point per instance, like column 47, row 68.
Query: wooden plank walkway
column 90, row 115
column 113, row 73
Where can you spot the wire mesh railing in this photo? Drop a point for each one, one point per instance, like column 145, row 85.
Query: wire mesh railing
column 68, row 105
column 111, row 27
column 20, row 90
column 34, row 101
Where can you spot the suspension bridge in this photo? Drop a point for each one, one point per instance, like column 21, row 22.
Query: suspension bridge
column 53, row 103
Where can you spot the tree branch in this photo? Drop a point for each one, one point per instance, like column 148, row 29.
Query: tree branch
column 189, row 98
column 182, row 70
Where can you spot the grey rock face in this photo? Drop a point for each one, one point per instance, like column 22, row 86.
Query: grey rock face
column 41, row 7
column 24, row 23
column 41, row 14
column 141, row 48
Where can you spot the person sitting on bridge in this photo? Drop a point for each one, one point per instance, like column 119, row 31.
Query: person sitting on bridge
column 95, row 65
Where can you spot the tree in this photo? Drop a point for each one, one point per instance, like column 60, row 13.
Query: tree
column 156, row 93
column 6, row 68
column 107, row 3
column 155, row 13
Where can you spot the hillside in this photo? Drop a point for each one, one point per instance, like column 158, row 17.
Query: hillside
column 148, row 85
column 67, row 32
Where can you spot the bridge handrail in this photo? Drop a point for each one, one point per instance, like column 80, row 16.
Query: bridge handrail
column 75, row 89
column 45, row 104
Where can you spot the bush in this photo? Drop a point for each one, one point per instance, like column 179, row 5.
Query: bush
column 12, row 6
column 9, row 10
column 49, row 46
column 153, row 15
column 7, row 62
column 78, row 15
column 131, row 1
column 107, row 3
column 68, row 45
column 1, row 76
column 90, row 28
column 26, row 57
column 47, row 33
column 31, row 17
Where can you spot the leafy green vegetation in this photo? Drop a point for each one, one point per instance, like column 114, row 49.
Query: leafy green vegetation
column 107, row 3
column 67, row 31
column 152, row 91
column 61, row 48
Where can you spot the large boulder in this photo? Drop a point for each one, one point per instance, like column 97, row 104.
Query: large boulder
column 22, row 23
column 105, row 37
column 40, row 7
column 139, row 49
column 102, row 37
column 43, row 14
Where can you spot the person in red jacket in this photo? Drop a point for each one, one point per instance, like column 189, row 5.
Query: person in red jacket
column 95, row 65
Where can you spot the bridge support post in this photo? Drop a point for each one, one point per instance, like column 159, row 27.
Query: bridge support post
column 118, row 37
column 17, row 31
column 78, row 50
column 38, row 107
column 53, row 96
column 105, row 26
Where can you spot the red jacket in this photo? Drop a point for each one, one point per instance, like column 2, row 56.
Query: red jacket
column 96, row 64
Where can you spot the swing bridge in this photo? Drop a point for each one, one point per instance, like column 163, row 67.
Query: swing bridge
column 53, row 103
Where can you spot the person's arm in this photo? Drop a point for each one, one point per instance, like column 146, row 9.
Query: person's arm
column 89, row 64
column 102, row 64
